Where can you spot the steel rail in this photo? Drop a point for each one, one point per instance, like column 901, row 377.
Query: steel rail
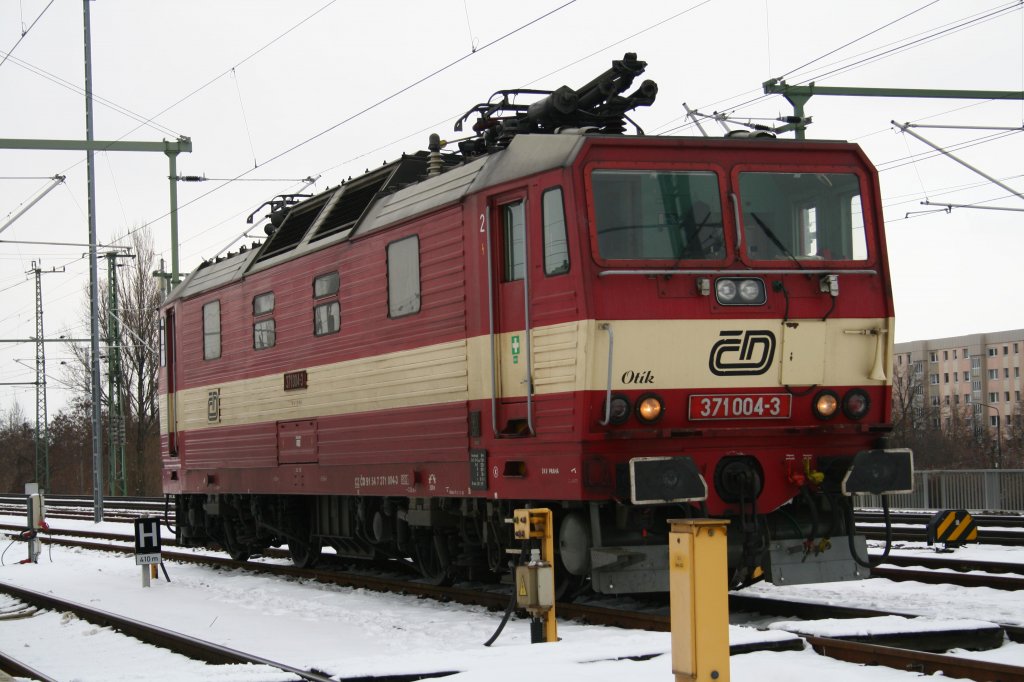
column 915, row 661
column 157, row 636
column 13, row 666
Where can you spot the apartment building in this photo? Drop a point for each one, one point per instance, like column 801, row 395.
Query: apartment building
column 981, row 370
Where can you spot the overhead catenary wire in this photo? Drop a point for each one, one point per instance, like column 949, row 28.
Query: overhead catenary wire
column 857, row 40
column 971, row 22
column 150, row 120
column 861, row 59
column 245, row 119
column 960, row 24
column 25, row 33
column 78, row 89
column 370, row 107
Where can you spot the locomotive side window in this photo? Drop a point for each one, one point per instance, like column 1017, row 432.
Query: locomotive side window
column 802, row 216
column 264, row 333
column 658, row 215
column 326, row 313
column 556, row 248
column 404, row 277
column 211, row 330
column 513, row 230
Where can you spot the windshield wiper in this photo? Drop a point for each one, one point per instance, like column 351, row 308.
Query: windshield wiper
column 775, row 240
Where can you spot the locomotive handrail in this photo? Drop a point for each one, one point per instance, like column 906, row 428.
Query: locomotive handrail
column 608, row 391
column 736, row 214
column 490, row 319
column 526, row 319
column 756, row 271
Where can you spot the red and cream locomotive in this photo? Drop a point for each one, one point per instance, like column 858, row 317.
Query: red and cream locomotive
column 623, row 328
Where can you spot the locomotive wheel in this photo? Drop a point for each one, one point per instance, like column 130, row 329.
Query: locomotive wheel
column 429, row 561
column 567, row 585
column 305, row 554
column 236, row 550
column 239, row 553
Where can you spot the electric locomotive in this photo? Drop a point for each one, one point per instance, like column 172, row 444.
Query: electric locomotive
column 623, row 328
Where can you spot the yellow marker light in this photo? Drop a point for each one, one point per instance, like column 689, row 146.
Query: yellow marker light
column 826, row 404
column 649, row 408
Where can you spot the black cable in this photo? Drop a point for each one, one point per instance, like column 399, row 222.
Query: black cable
column 830, row 308
column 16, row 539
column 815, row 520
column 869, row 563
column 512, row 602
column 167, row 512
column 504, row 619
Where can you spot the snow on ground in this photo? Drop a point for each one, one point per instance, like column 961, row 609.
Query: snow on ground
column 351, row 633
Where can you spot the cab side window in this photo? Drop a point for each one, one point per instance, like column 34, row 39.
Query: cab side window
column 556, row 246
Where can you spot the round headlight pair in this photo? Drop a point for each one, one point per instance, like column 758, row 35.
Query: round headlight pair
column 855, row 404
column 737, row 291
column 649, row 409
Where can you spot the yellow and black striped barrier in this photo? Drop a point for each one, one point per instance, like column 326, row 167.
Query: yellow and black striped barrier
column 952, row 527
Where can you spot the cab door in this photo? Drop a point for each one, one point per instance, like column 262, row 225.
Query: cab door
column 510, row 315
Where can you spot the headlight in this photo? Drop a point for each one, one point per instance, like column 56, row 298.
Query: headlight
column 750, row 290
column 740, row 291
column 825, row 404
column 856, row 404
column 726, row 291
column 649, row 408
column 619, row 411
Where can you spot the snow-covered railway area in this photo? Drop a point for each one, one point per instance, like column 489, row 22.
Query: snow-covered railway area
column 352, row 633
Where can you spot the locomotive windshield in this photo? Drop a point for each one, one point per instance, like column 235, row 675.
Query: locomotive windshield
column 651, row 215
column 802, row 216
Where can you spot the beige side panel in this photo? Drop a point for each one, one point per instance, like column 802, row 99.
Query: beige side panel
column 435, row 374
column 555, row 355
column 652, row 355
column 165, row 413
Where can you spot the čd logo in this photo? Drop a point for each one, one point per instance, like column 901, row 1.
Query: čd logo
column 739, row 353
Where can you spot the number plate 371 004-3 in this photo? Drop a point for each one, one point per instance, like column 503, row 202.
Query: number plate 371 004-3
column 741, row 406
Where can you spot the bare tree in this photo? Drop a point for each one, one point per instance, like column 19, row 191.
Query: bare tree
column 139, row 299
column 17, row 450
column 907, row 401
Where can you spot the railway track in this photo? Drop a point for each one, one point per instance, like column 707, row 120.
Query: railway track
column 909, row 526
column 914, row 651
column 650, row 616
column 190, row 647
column 901, row 651
column 925, row 569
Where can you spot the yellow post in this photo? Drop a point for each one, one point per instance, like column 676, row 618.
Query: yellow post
column 535, row 581
column 699, row 600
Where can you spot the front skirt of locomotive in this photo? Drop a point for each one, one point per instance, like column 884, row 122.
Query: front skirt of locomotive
column 806, row 541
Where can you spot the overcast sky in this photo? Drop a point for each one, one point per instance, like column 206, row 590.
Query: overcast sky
column 274, row 92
